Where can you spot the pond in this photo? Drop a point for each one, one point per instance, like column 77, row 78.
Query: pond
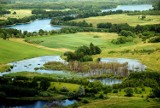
column 35, row 104
column 133, row 64
column 29, row 65
column 142, row 7
column 107, row 81
column 36, row 26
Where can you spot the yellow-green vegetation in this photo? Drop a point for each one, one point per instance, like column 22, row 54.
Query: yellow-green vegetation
column 151, row 60
column 14, row 51
column 121, row 102
column 68, row 86
column 72, row 41
column 36, row 74
column 118, row 100
column 132, row 20
column 4, row 68
column 19, row 14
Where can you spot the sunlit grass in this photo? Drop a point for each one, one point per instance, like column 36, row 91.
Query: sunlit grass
column 132, row 20
column 20, row 13
column 68, row 86
column 72, row 41
column 13, row 51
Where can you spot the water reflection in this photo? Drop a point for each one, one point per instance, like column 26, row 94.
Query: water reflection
column 107, row 81
column 36, row 26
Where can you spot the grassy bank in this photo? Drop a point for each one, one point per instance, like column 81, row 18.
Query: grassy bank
column 14, row 51
column 132, row 20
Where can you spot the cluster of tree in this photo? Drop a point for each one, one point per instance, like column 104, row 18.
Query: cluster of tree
column 14, row 33
column 19, row 86
column 83, row 53
column 50, row 14
column 82, row 29
column 11, row 21
column 139, row 79
column 154, row 39
column 148, row 12
column 116, row 27
column 7, row 33
column 144, row 32
column 70, row 23
column 2, row 12
column 122, row 40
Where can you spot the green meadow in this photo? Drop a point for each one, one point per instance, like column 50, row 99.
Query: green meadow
column 13, row 51
column 122, row 102
column 132, row 20
column 20, row 13
column 72, row 41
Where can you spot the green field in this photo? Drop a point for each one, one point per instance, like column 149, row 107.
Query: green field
column 123, row 18
column 19, row 14
column 118, row 100
column 60, row 85
column 122, row 102
column 72, row 41
column 12, row 51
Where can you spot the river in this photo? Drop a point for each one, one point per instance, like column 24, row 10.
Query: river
column 36, row 25
column 142, row 7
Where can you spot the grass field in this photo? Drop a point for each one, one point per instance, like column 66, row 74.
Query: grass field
column 122, row 102
column 13, row 51
column 118, row 100
column 123, row 18
column 60, row 85
column 19, row 14
column 72, row 41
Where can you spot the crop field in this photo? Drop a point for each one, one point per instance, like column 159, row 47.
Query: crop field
column 132, row 20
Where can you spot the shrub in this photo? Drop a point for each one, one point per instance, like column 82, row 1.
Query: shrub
column 129, row 92
column 115, row 91
column 126, row 33
column 85, row 101
column 101, row 96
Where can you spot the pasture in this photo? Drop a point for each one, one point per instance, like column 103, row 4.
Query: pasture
column 19, row 14
column 132, row 20
column 72, row 41
column 11, row 50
